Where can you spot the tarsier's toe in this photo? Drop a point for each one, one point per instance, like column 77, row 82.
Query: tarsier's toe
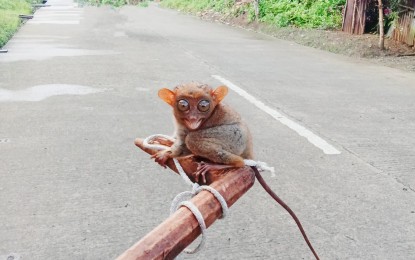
column 201, row 173
column 202, row 169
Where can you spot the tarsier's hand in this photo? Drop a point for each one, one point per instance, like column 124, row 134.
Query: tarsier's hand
column 161, row 157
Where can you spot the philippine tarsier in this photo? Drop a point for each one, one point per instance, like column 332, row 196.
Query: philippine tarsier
column 207, row 128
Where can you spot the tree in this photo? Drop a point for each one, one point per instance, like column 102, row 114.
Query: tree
column 381, row 26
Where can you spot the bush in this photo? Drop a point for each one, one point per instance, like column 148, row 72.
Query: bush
column 9, row 17
column 301, row 13
column 115, row 3
column 322, row 14
column 199, row 5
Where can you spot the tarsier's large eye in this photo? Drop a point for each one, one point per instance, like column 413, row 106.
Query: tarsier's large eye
column 203, row 105
column 183, row 105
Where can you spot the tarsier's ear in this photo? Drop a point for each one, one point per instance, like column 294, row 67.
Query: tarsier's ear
column 219, row 93
column 167, row 95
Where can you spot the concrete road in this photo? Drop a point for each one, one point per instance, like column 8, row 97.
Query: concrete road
column 79, row 84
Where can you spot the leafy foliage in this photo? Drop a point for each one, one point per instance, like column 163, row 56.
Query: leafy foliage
column 390, row 11
column 199, row 5
column 115, row 3
column 9, row 17
column 393, row 4
column 302, row 13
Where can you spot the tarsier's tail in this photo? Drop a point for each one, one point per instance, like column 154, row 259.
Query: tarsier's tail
column 285, row 206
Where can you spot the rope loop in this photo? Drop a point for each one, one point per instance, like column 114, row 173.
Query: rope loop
column 261, row 166
column 183, row 198
column 219, row 197
column 199, row 217
column 149, row 142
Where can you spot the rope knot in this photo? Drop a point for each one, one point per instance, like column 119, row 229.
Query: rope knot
column 261, row 166
column 183, row 198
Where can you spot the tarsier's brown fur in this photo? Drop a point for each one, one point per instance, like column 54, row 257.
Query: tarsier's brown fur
column 220, row 137
column 209, row 129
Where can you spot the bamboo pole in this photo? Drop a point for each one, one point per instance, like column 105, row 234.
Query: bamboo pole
column 179, row 230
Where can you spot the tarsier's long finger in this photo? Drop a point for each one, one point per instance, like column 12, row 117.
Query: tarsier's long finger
column 204, row 176
column 164, row 160
column 200, row 165
column 160, row 159
column 201, row 172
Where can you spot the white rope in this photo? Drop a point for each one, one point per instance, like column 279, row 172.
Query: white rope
column 202, row 225
column 181, row 172
column 183, row 196
column 261, row 166
column 219, row 197
column 149, row 142
column 182, row 199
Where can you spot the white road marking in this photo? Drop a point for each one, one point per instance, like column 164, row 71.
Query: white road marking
column 41, row 92
column 299, row 129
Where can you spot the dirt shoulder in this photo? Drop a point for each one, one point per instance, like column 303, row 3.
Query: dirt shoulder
column 365, row 46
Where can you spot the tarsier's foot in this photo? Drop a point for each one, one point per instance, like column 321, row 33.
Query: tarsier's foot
column 204, row 168
column 161, row 157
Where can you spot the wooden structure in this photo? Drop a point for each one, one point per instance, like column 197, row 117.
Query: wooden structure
column 404, row 30
column 354, row 17
column 354, row 20
column 178, row 231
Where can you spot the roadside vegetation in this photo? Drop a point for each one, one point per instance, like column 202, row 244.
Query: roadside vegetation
column 313, row 23
column 9, row 17
column 322, row 14
column 115, row 3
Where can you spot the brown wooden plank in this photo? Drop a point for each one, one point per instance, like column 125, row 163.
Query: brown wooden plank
column 354, row 19
column 177, row 232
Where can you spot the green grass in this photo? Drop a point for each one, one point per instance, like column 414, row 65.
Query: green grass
column 323, row 14
column 199, row 5
column 115, row 3
column 9, row 17
column 143, row 4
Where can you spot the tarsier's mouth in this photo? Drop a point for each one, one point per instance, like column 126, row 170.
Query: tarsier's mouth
column 193, row 124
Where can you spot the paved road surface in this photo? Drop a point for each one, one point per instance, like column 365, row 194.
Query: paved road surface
column 79, row 84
